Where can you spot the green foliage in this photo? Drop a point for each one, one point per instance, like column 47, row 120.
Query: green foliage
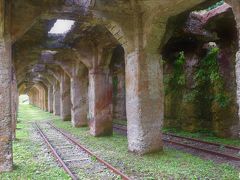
column 215, row 5
column 208, row 74
column 190, row 96
column 208, row 82
column 176, row 82
column 30, row 162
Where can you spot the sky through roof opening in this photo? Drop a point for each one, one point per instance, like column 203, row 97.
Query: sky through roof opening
column 61, row 26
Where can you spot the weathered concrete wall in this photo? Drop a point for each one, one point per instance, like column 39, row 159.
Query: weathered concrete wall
column 190, row 108
column 117, row 71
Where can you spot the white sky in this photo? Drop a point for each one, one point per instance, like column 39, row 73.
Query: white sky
column 61, row 26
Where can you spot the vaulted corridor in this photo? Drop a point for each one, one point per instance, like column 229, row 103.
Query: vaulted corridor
column 140, row 77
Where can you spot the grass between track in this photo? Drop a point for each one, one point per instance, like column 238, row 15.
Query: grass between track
column 203, row 135
column 169, row 164
column 30, row 162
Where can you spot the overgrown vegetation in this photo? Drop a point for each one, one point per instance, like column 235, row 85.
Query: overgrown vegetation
column 208, row 82
column 176, row 82
column 208, row 75
column 170, row 164
column 29, row 160
column 31, row 163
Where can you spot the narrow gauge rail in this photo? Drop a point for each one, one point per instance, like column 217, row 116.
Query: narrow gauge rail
column 72, row 156
column 225, row 151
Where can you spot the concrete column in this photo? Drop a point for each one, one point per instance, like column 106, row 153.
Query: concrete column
column 6, row 158
column 41, row 98
column 45, row 91
column 50, row 99
column 100, row 103
column 235, row 4
column 144, row 102
column 79, row 92
column 15, row 97
column 65, row 97
column 56, row 99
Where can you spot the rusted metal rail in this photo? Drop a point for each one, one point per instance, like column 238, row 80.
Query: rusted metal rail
column 55, row 154
column 116, row 171
column 221, row 154
column 206, row 142
column 230, row 157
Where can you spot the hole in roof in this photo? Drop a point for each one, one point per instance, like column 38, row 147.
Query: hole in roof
column 61, row 26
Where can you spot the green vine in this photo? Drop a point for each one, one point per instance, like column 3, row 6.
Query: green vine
column 176, row 82
column 208, row 82
column 208, row 72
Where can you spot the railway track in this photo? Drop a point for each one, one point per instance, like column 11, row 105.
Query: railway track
column 225, row 151
column 76, row 159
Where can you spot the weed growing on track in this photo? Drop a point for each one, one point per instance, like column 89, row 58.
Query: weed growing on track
column 29, row 161
column 170, row 164
column 207, row 136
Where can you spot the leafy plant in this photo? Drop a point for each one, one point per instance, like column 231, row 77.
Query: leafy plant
column 208, row 82
column 208, row 73
column 177, row 81
column 215, row 5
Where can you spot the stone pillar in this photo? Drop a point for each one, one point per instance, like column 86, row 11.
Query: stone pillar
column 65, row 97
column 235, row 4
column 50, row 99
column 56, row 99
column 79, row 94
column 100, row 103
column 45, row 91
column 6, row 158
column 42, row 98
column 15, row 97
column 144, row 101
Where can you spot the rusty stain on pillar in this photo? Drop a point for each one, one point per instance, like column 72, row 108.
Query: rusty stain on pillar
column 100, row 102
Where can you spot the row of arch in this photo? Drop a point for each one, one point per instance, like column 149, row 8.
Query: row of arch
column 107, row 70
